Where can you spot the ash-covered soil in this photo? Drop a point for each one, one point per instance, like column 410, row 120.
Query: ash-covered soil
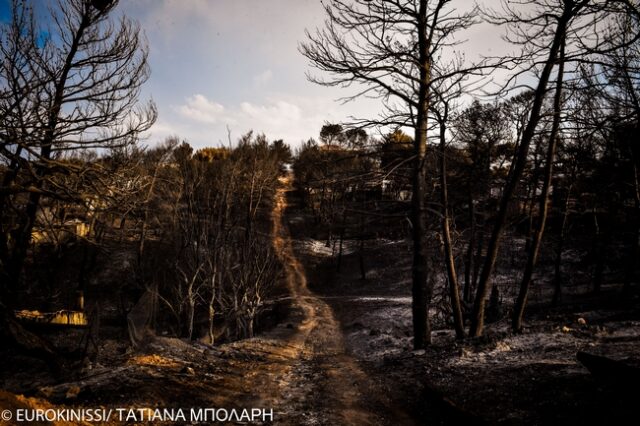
column 531, row 378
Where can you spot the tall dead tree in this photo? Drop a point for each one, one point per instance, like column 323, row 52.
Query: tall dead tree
column 79, row 88
column 447, row 91
column 543, row 209
column 387, row 50
column 541, row 30
column 613, row 77
column 452, row 276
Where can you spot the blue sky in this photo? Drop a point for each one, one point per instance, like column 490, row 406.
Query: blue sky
column 219, row 64
column 5, row 13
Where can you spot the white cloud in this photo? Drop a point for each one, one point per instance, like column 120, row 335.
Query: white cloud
column 275, row 114
column 202, row 121
column 199, row 108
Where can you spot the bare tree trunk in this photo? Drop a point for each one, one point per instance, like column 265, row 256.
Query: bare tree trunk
column 531, row 201
column 521, row 301
column 419, row 289
column 469, row 264
column 330, row 224
column 484, row 285
column 212, row 299
column 601, row 239
column 634, row 238
column 190, row 316
column 530, row 225
column 558, row 279
column 363, row 272
column 145, row 216
column 8, row 178
column 454, row 291
column 478, row 256
column 340, row 247
column 250, row 321
column 601, row 242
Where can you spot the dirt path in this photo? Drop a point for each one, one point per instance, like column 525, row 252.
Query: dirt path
column 322, row 383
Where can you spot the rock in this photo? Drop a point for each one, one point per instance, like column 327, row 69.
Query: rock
column 188, row 370
column 466, row 353
column 46, row 391
column 502, row 347
column 582, row 321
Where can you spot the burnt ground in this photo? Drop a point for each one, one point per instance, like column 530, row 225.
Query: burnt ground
column 531, row 378
column 343, row 355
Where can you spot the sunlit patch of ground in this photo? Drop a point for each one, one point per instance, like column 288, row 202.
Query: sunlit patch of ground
column 12, row 402
column 154, row 361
